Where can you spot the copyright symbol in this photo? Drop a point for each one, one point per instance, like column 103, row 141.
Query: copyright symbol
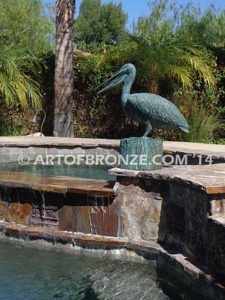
column 23, row 160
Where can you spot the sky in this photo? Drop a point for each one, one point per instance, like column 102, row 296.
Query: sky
column 136, row 8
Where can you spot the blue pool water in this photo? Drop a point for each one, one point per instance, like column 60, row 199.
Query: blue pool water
column 82, row 171
column 36, row 274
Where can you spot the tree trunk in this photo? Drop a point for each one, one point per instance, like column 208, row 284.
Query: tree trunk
column 63, row 84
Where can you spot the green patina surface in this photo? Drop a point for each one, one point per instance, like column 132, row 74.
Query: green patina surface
column 149, row 109
column 141, row 153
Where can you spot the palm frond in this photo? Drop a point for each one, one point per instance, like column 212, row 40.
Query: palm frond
column 16, row 86
column 171, row 56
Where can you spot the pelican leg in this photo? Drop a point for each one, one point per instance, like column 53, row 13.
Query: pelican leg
column 148, row 129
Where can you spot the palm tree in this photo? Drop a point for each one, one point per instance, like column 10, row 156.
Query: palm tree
column 165, row 52
column 162, row 59
column 15, row 85
column 172, row 57
column 161, row 51
column 63, row 110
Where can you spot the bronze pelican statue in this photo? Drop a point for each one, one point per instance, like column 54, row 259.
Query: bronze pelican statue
column 149, row 109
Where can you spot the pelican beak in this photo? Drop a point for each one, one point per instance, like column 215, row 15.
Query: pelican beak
column 110, row 83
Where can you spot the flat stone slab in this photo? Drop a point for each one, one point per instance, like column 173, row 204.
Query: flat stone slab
column 57, row 184
column 213, row 150
column 28, row 141
column 34, row 232
column 216, row 151
column 210, row 178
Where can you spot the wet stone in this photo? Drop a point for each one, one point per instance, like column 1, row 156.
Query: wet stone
column 104, row 218
column 74, row 218
column 19, row 213
column 3, row 209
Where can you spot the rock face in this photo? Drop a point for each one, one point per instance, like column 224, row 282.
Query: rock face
column 95, row 215
column 216, row 246
column 186, row 211
column 76, row 212
column 15, row 206
column 138, row 210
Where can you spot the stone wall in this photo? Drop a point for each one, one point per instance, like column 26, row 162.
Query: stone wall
column 12, row 147
column 183, row 218
column 172, row 213
column 185, row 214
column 216, row 246
column 142, row 209
column 133, row 213
column 216, row 235
column 70, row 212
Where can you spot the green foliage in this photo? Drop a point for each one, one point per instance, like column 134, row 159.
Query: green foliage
column 9, row 128
column 15, row 85
column 165, row 52
column 97, row 115
column 171, row 61
column 206, row 28
column 179, row 53
column 201, row 108
column 202, row 126
column 172, row 57
column 24, row 37
column 220, row 141
column 99, row 24
column 159, row 52
column 91, row 70
column 25, row 29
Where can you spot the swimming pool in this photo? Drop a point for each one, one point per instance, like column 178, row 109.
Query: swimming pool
column 32, row 273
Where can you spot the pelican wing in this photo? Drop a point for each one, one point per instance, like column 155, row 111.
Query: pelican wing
column 159, row 111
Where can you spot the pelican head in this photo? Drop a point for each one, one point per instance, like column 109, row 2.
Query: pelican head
column 126, row 72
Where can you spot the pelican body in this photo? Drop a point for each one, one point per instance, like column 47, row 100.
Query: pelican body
column 149, row 109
